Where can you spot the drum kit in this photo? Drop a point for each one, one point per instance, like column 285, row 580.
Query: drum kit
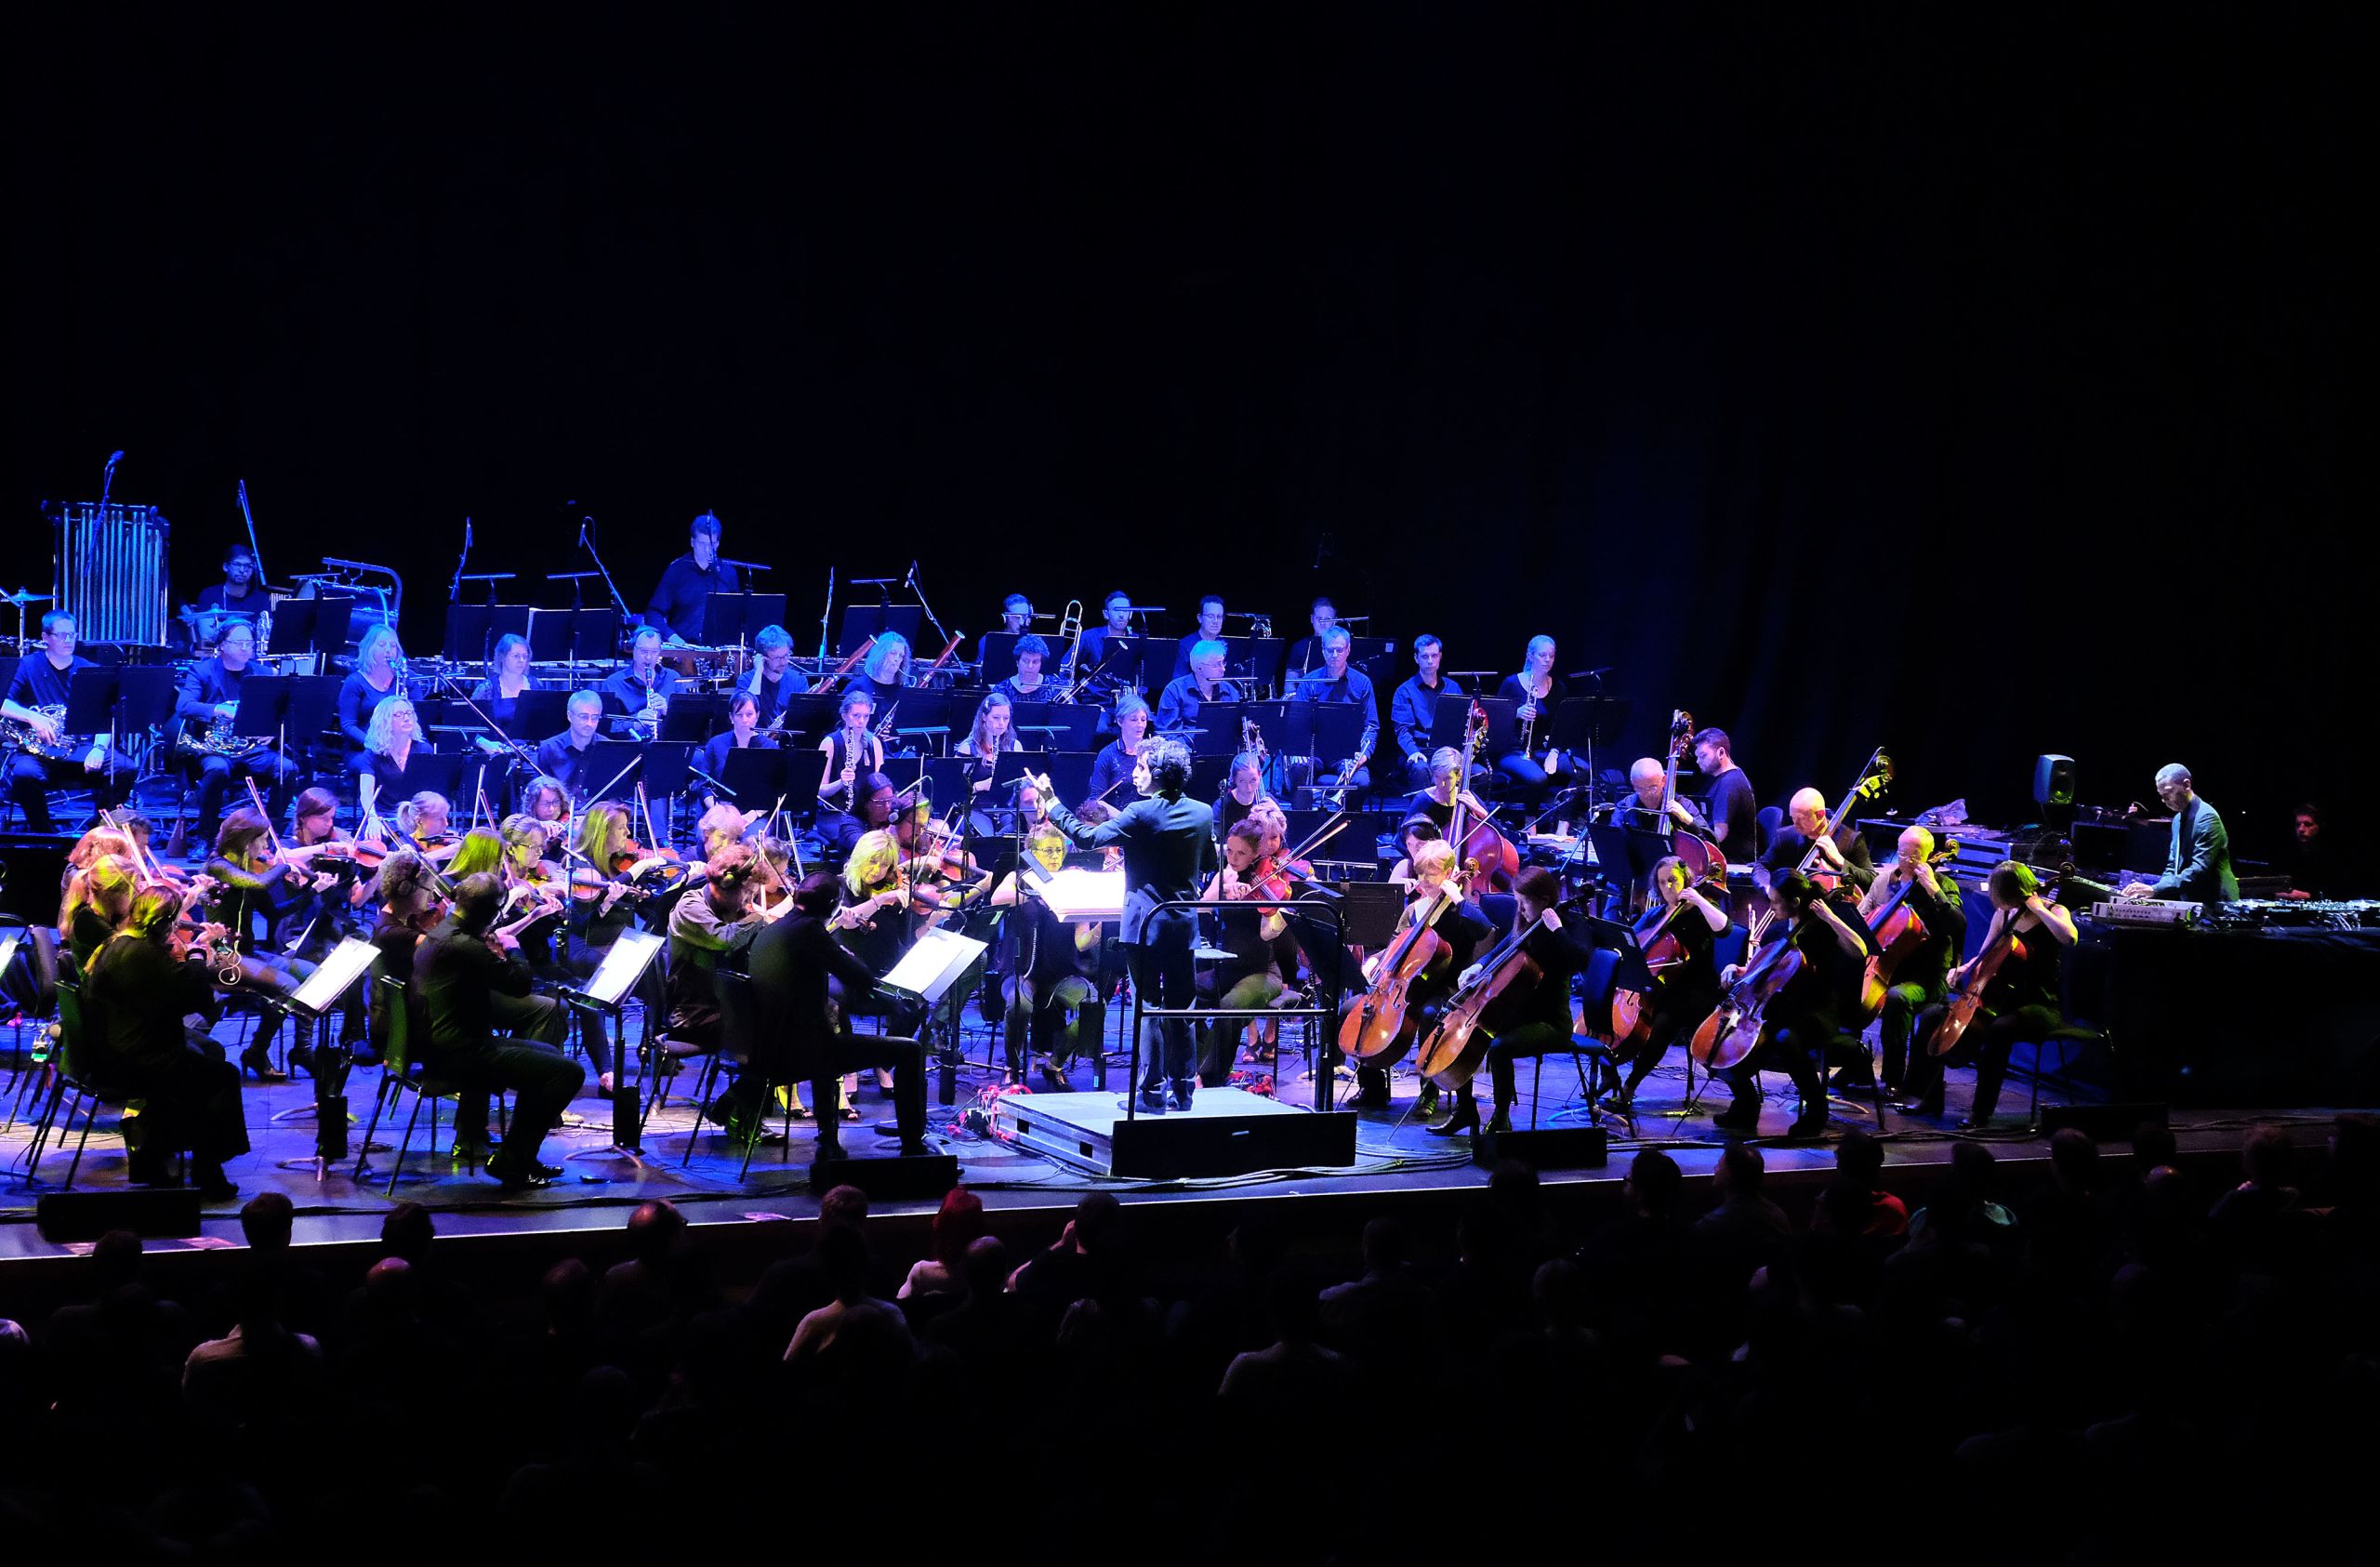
column 18, row 601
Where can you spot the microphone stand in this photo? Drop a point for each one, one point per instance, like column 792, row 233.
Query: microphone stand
column 824, row 616
column 586, row 525
column 933, row 620
column 454, row 588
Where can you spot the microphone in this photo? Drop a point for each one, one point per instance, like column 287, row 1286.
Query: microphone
column 744, row 566
column 582, row 533
column 115, row 458
column 1588, row 674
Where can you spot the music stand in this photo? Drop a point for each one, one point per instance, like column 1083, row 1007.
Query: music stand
column 862, row 621
column 604, row 994
column 1069, row 771
column 926, row 719
column 1627, row 854
column 1252, row 663
column 693, row 719
column 472, row 630
column 1587, row 724
column 1056, row 725
column 1371, row 910
column 754, row 778
column 1218, row 729
column 118, row 699
column 273, row 706
column 809, row 716
column 733, row 620
column 998, row 652
column 316, row 626
column 931, row 970
column 311, row 1006
column 574, row 636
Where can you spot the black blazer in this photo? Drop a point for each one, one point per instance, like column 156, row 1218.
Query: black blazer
column 789, row 963
column 1168, row 843
column 2198, row 864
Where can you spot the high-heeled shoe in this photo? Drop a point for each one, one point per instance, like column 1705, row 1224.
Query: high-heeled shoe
column 1054, row 1080
column 1464, row 1117
column 260, row 1063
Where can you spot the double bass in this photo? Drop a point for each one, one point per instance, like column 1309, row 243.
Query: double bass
column 1479, row 846
column 1705, row 861
column 1739, row 1025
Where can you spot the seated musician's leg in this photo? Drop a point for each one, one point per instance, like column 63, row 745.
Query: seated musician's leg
column 29, row 786
column 543, row 1082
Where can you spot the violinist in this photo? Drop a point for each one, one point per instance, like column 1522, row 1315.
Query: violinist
column 637, row 694
column 1687, row 988
column 1535, row 692
column 987, row 738
column 1836, row 859
column 705, row 926
column 1922, row 972
column 1803, row 1020
column 314, row 921
column 1210, row 629
column 1641, row 811
column 773, row 680
column 1120, row 759
column 850, row 751
column 1029, row 683
column 252, row 880
column 1439, row 801
column 423, row 819
column 885, row 669
column 1542, row 1016
column 1186, row 695
column 389, row 746
column 1251, row 976
column 842, row 831
column 604, row 901
column 97, row 900
column 1413, row 708
column 499, row 695
column 1051, row 971
column 568, row 757
column 545, row 799
column 375, row 679
column 138, row 991
column 741, row 734
column 210, row 695
column 872, row 922
column 1337, row 684
column 2021, row 1001
column 683, row 596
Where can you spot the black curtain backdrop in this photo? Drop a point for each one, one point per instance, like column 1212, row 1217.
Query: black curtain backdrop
column 1968, row 380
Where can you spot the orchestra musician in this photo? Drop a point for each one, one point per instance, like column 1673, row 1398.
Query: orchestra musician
column 1921, row 975
column 1305, row 654
column 1804, row 1020
column 237, row 600
column 568, row 758
column 1016, row 619
column 687, row 583
column 1210, row 629
column 1029, row 683
column 604, row 902
column 705, row 925
column 424, row 819
column 1431, row 868
column 97, row 901
column 850, row 751
column 1121, row 757
column 323, row 913
column 1243, row 788
column 988, row 737
column 137, row 991
column 1336, row 683
column 1413, row 708
column 1535, row 692
column 2312, row 873
column 1641, row 812
column 1685, row 993
column 1050, row 968
column 1184, row 695
column 253, row 881
column 1251, row 976
column 637, row 694
column 1544, row 1016
column 795, row 966
column 2020, row 1002
column 546, row 798
column 1731, row 808
column 210, row 694
column 741, row 734
column 375, row 679
column 1117, row 609
column 1438, row 802
column 1412, row 834
column 774, row 679
column 885, row 669
column 460, row 973
column 843, row 830
column 1810, row 825
column 1167, row 840
column 499, row 695
column 46, row 682
column 389, row 746
column 2198, row 865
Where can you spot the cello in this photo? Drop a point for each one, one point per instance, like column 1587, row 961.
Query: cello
column 1959, row 1013
column 1739, row 1025
column 1631, row 1010
column 1378, row 1030
column 1452, row 1053
column 1896, row 932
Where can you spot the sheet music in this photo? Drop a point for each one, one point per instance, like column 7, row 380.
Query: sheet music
column 1077, row 894
column 345, row 965
column 622, row 965
column 929, row 966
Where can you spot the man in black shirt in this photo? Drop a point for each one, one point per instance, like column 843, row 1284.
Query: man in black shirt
column 568, row 757
column 458, row 977
column 1838, row 854
column 46, row 680
column 687, row 584
column 1336, row 683
column 1119, row 627
column 210, row 694
column 234, row 601
column 1186, row 695
column 1729, row 806
column 1414, row 707
column 1305, row 654
column 2312, row 873
column 638, row 693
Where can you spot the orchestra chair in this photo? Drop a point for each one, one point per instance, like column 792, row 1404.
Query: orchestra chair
column 1590, row 1058
column 2073, row 1037
column 1766, row 826
column 74, row 1089
column 400, row 1073
column 35, row 1000
column 738, row 1031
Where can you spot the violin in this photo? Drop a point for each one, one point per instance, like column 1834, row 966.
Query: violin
column 1378, row 1030
column 1457, row 1045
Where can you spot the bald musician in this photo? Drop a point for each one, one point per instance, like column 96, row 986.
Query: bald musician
column 1647, row 778
column 1918, row 979
column 1836, row 856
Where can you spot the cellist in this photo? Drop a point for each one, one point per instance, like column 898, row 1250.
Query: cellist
column 1464, row 930
column 2021, row 1001
column 1804, row 1018
column 1684, row 991
column 1537, row 1018
column 1919, row 976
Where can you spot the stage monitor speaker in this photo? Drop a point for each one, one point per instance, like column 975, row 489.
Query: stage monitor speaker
column 1168, row 1147
column 2053, row 780
column 1554, row 1147
column 2103, row 1123
column 32, row 867
column 87, row 1215
column 894, row 1177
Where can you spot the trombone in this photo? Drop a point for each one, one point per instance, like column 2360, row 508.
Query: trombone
column 1069, row 632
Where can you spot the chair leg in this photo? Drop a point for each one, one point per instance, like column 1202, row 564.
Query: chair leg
column 379, row 1100
column 1536, row 1082
column 44, row 1128
column 90, row 1119
column 703, row 1080
column 397, row 1164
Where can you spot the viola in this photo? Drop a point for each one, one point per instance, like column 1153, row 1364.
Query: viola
column 1378, row 1030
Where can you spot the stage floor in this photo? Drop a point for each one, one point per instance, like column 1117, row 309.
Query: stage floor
column 1396, row 1152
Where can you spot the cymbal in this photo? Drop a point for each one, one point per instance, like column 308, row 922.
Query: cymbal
column 21, row 598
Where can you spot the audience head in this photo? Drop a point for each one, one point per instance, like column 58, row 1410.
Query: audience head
column 1861, row 1157
column 1098, row 1223
column 654, row 1231
column 844, row 1205
column 1740, row 1172
column 2074, row 1159
column 268, row 1220
column 1654, row 1181
column 958, row 1225
column 407, row 1232
column 2268, row 1156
